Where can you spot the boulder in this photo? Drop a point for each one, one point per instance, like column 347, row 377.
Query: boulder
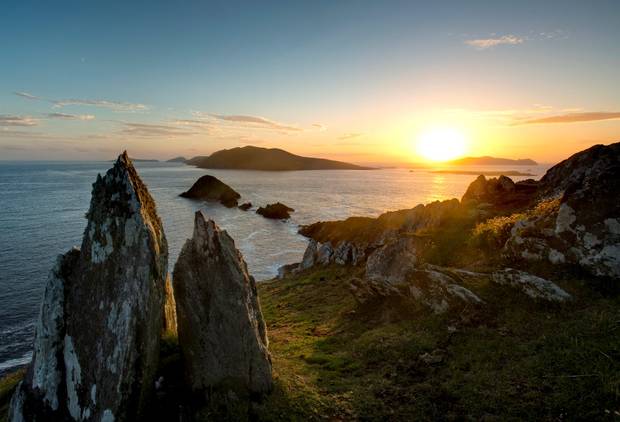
column 393, row 262
column 210, row 188
column 579, row 223
column 433, row 287
column 97, row 338
column 222, row 333
column 277, row 211
column 533, row 286
column 245, row 206
column 309, row 258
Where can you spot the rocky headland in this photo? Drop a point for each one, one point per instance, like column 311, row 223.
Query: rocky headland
column 501, row 305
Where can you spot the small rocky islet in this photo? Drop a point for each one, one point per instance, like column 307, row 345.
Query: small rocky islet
column 422, row 313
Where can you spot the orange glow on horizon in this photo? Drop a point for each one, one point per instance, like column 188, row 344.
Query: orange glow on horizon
column 441, row 144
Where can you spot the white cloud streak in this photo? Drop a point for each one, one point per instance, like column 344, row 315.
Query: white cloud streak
column 487, row 43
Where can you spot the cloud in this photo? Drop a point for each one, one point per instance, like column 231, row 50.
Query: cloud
column 111, row 105
column 145, row 130
column 321, row 127
column 11, row 120
column 349, row 136
column 65, row 116
column 27, row 95
column 486, row 43
column 572, row 117
column 257, row 122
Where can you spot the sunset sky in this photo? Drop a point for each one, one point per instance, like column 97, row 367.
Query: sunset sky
column 350, row 80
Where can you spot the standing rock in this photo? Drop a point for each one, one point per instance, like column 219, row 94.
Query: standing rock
column 97, row 340
column 222, row 333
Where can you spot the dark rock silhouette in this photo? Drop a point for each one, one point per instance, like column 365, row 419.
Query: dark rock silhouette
column 245, row 206
column 97, row 338
column 222, row 333
column 210, row 188
column 267, row 159
column 277, row 211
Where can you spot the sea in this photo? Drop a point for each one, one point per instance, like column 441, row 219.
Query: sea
column 43, row 207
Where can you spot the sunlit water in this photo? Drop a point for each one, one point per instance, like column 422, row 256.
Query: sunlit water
column 42, row 208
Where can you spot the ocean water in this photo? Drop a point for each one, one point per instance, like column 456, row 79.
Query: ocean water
column 42, row 208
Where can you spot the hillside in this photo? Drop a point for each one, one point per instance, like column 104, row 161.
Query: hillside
column 267, row 159
column 492, row 161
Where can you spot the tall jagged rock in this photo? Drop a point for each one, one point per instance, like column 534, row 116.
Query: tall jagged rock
column 97, row 338
column 222, row 333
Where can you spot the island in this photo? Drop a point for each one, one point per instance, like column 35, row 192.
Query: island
column 210, row 188
column 180, row 159
column 267, row 159
column 492, row 161
column 484, row 172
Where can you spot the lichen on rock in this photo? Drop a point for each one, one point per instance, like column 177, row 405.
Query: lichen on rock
column 222, row 333
column 97, row 339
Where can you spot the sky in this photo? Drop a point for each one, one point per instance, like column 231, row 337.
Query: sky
column 360, row 81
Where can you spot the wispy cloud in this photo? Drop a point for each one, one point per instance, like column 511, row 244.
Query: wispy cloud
column 256, row 122
column 27, row 95
column 321, row 127
column 108, row 104
column 349, row 136
column 572, row 118
column 11, row 120
column 486, row 43
column 111, row 105
column 145, row 130
column 65, row 116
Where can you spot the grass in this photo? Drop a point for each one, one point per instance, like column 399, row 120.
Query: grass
column 517, row 359
column 7, row 386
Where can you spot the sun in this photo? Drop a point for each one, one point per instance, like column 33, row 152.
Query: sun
column 441, row 144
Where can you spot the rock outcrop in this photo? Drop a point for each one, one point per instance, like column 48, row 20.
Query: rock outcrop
column 97, row 339
column 583, row 228
column 210, row 188
column 277, row 211
column 533, row 286
column 500, row 193
column 222, row 333
column 245, row 206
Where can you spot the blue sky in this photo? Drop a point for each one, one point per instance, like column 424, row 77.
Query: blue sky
column 350, row 79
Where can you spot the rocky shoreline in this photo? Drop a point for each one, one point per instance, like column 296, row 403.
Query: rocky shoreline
column 110, row 308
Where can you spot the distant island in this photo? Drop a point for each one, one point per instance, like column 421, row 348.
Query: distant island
column 140, row 160
column 486, row 173
column 267, row 159
column 492, row 161
column 177, row 160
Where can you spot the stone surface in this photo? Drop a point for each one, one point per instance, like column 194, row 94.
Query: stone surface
column 222, row 333
column 169, row 327
column 277, row 211
column 392, row 262
column 210, row 188
column 500, row 193
column 245, row 206
column 437, row 288
column 533, row 286
column 97, row 339
column 583, row 228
